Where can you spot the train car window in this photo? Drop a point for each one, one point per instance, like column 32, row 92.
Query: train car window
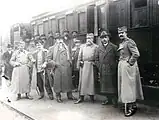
column 40, row 28
column 53, row 25
column 82, row 22
column 61, row 24
column 69, row 19
column 46, row 27
column 35, row 32
column 102, row 17
column 140, row 3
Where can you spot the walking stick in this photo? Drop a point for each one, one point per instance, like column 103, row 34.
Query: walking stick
column 44, row 74
column 37, row 90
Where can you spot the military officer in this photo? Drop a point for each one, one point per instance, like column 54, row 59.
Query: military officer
column 129, row 83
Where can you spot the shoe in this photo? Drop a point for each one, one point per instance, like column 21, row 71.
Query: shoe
column 51, row 97
column 42, row 96
column 72, row 98
column 105, row 102
column 8, row 100
column 131, row 110
column 19, row 97
column 59, row 100
column 129, row 113
column 80, row 100
column 29, row 97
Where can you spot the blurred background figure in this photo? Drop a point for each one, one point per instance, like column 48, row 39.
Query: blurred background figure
column 49, row 41
column 6, row 61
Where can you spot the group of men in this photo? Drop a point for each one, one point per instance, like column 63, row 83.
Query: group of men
column 65, row 59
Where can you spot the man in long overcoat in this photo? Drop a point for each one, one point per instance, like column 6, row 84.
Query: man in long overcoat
column 60, row 57
column 129, row 83
column 106, row 61
column 21, row 61
column 86, row 63
column 8, row 68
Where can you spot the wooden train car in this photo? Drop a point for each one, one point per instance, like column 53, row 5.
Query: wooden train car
column 140, row 16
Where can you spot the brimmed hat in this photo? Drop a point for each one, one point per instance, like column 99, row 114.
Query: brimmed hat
column 104, row 34
column 90, row 34
column 122, row 29
column 9, row 46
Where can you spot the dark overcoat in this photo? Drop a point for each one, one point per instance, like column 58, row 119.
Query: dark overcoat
column 8, row 67
column 61, row 66
column 106, row 61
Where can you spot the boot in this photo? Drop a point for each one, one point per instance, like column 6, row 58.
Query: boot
column 80, row 100
column 58, row 98
column 128, row 111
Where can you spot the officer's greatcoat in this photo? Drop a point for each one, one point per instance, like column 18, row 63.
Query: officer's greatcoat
column 87, row 72
column 129, row 83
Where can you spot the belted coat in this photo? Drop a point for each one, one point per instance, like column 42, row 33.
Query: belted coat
column 129, row 83
column 59, row 60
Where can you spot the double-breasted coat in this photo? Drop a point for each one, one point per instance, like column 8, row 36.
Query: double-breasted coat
column 60, row 59
column 106, row 61
column 88, row 71
column 8, row 67
column 129, row 83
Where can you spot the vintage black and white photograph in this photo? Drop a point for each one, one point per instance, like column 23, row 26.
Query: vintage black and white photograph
column 79, row 60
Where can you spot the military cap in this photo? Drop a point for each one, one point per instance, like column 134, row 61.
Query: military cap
column 74, row 31
column 65, row 31
column 104, row 34
column 122, row 29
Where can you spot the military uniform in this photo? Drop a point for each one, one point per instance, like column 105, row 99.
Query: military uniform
column 129, row 83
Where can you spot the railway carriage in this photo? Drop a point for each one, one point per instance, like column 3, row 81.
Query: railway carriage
column 140, row 16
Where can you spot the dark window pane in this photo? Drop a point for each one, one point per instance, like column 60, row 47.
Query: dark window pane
column 82, row 22
column 53, row 25
column 70, row 22
column 61, row 25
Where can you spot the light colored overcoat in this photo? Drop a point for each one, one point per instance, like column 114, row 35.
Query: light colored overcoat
column 20, row 77
column 87, row 72
column 129, row 83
